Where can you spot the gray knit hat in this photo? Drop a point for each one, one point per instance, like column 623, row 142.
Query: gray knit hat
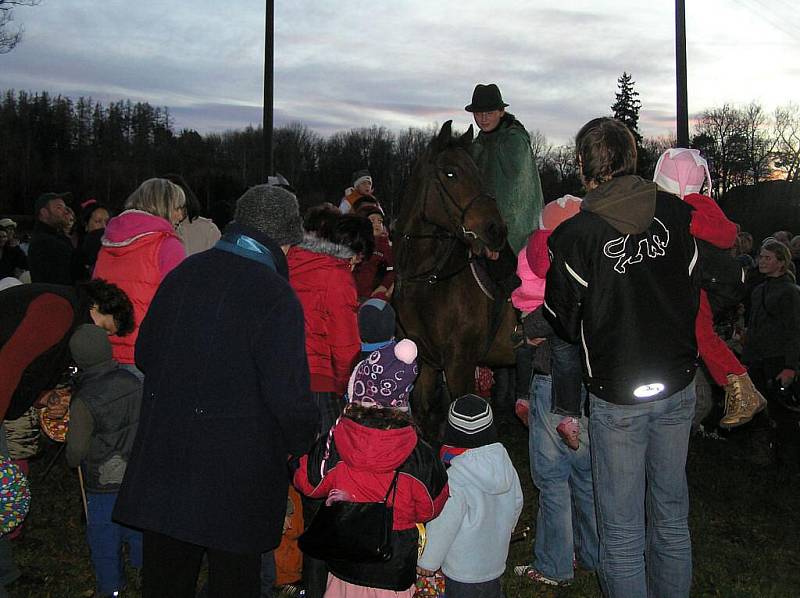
column 89, row 346
column 272, row 211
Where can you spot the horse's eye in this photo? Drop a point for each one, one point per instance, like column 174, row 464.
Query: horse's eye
column 450, row 174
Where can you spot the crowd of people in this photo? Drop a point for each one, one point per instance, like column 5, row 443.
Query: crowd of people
column 217, row 369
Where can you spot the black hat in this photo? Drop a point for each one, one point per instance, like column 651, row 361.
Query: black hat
column 376, row 321
column 486, row 98
column 46, row 198
column 272, row 211
column 470, row 423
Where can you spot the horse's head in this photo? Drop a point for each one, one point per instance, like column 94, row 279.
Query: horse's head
column 452, row 191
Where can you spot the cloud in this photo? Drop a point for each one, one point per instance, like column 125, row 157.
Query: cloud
column 350, row 64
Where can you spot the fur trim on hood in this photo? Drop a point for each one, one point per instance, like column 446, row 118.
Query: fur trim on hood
column 317, row 244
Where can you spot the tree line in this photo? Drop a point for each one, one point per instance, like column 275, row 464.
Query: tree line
column 55, row 143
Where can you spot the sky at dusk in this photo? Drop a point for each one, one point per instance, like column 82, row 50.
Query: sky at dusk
column 349, row 63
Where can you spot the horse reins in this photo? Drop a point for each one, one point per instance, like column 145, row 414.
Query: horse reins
column 434, row 275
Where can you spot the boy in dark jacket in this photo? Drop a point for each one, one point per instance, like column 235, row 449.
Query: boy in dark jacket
column 103, row 418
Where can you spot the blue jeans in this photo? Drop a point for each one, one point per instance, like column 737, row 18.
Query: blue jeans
column 105, row 543
column 566, row 522
column 639, row 463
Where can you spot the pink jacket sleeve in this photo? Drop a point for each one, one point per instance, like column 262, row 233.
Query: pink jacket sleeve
column 170, row 254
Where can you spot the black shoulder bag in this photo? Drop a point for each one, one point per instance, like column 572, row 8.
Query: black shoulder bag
column 359, row 532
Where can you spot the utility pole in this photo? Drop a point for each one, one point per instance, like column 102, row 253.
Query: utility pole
column 680, row 72
column 269, row 54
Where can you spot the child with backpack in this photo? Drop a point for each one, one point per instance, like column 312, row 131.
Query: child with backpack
column 104, row 415
column 373, row 448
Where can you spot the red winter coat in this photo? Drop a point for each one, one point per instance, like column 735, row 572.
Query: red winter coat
column 361, row 461
column 319, row 272
column 138, row 250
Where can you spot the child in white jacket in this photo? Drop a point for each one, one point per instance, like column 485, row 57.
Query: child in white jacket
column 469, row 539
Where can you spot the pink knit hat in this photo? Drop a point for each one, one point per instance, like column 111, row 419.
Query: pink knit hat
column 559, row 210
column 681, row 171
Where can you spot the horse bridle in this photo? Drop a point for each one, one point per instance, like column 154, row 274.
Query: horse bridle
column 434, row 275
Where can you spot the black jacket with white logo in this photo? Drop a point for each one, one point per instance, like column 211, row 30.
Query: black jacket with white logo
column 627, row 291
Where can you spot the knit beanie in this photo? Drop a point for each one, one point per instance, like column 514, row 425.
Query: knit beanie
column 386, row 377
column 89, row 346
column 376, row 321
column 272, row 211
column 470, row 423
column 359, row 176
column 681, row 171
column 556, row 212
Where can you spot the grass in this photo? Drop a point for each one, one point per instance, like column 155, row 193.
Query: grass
column 744, row 522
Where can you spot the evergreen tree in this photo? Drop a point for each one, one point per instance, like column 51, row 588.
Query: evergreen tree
column 627, row 106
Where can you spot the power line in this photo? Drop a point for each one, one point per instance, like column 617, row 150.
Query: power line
column 765, row 13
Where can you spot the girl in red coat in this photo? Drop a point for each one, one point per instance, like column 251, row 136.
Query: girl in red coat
column 683, row 172
column 374, row 438
column 321, row 273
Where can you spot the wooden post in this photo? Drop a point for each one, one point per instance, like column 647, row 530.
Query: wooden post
column 269, row 53
column 680, row 71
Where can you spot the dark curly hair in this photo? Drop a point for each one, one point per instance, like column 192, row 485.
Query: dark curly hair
column 381, row 419
column 111, row 300
column 354, row 232
column 321, row 219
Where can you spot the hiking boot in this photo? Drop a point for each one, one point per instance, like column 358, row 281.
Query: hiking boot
column 570, row 431
column 539, row 577
column 742, row 401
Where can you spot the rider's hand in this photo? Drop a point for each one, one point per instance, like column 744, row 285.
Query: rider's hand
column 492, row 255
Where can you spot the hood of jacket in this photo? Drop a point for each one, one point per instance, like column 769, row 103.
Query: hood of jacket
column 133, row 225
column 315, row 253
column 362, row 447
column 487, row 467
column 628, row 203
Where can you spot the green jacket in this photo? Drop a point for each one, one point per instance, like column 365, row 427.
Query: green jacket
column 509, row 171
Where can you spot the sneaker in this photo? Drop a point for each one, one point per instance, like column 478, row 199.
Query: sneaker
column 521, row 409
column 538, row 577
column 570, row 431
column 742, row 401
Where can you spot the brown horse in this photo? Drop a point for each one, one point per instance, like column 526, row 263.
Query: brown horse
column 445, row 220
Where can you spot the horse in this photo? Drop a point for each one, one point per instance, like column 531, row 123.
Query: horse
column 445, row 220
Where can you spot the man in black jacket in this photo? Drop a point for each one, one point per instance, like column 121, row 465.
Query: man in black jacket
column 51, row 257
column 226, row 402
column 622, row 283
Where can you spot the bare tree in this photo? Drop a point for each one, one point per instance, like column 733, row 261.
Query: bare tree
column 787, row 141
column 540, row 146
column 9, row 38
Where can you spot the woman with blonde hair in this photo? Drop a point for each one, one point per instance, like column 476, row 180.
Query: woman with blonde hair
column 139, row 248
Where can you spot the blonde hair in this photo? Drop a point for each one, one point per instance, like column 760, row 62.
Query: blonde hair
column 158, row 197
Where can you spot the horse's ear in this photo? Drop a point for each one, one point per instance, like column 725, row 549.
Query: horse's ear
column 445, row 135
column 466, row 138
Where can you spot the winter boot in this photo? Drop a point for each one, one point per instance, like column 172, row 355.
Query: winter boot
column 742, row 401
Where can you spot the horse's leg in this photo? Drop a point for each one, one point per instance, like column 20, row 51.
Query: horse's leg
column 426, row 402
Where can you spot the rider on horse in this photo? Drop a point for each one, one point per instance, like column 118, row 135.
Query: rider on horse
column 502, row 151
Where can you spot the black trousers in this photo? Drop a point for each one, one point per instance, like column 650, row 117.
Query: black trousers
column 171, row 568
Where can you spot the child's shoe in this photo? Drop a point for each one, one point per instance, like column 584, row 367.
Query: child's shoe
column 742, row 401
column 538, row 577
column 521, row 409
column 570, row 431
